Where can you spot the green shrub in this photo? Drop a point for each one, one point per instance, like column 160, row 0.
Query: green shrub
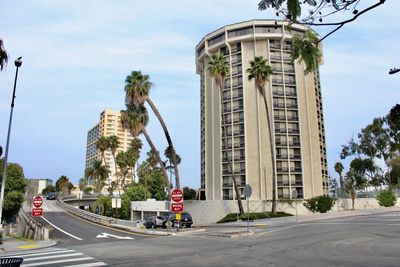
column 319, row 204
column 386, row 198
column 232, row 217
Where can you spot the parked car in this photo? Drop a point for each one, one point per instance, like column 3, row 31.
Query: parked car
column 156, row 221
column 186, row 220
column 52, row 196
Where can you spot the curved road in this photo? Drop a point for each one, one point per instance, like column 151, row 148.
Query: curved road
column 70, row 230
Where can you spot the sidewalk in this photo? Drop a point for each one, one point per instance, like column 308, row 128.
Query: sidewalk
column 236, row 229
column 14, row 245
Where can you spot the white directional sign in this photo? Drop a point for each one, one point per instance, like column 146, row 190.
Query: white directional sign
column 116, row 203
column 105, row 235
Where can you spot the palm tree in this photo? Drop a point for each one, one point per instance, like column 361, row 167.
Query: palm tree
column 339, row 169
column 3, row 55
column 121, row 161
column 354, row 181
column 83, row 182
column 305, row 48
column 98, row 174
column 260, row 71
column 219, row 68
column 137, row 88
column 102, row 144
column 113, row 144
column 62, row 184
column 135, row 119
column 169, row 167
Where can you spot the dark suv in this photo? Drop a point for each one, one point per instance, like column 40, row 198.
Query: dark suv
column 52, row 196
column 186, row 220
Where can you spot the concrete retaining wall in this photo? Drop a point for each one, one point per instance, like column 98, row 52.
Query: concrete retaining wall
column 211, row 211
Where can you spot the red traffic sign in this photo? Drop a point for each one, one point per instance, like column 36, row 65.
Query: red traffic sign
column 37, row 201
column 177, row 207
column 37, row 212
column 177, row 195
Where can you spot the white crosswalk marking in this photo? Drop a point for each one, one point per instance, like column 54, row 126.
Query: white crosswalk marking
column 55, row 257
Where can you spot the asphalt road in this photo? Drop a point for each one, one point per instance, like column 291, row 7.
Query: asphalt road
column 70, row 230
column 367, row 240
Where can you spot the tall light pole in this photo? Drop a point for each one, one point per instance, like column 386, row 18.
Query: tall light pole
column 18, row 64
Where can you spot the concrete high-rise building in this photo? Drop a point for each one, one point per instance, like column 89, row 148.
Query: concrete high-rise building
column 110, row 124
column 294, row 100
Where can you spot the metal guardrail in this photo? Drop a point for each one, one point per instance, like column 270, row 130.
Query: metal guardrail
column 85, row 214
column 92, row 216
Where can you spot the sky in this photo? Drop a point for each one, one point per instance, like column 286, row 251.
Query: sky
column 76, row 55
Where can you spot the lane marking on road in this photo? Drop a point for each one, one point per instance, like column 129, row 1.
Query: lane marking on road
column 111, row 228
column 53, row 256
column 279, row 229
column 92, row 264
column 106, row 235
column 363, row 223
column 55, row 262
column 61, row 230
column 45, row 253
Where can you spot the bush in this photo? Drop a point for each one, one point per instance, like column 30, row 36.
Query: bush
column 232, row 217
column 319, row 204
column 386, row 198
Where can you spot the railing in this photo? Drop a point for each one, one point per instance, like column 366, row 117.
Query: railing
column 92, row 216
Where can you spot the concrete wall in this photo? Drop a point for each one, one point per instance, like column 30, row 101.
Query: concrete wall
column 211, row 211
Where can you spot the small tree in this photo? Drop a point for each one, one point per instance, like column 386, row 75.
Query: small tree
column 320, row 204
column 62, row 184
column 386, row 198
column 189, row 193
column 354, row 181
column 48, row 189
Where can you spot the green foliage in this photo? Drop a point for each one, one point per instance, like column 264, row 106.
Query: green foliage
column 386, row 198
column 137, row 192
column 15, row 180
column 232, row 217
column 189, row 193
column 102, row 206
column 379, row 139
column 294, row 9
column 97, row 174
column 3, row 55
column 62, row 184
column 87, row 190
column 12, row 203
column 134, row 192
column 15, row 187
column 320, row 204
column 305, row 48
column 218, row 67
column 48, row 189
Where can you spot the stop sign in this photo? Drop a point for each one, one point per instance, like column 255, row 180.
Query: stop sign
column 177, row 195
column 37, row 201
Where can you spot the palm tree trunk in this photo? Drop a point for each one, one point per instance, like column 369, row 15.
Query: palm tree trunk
column 168, row 137
column 341, row 186
column 166, row 181
column 353, row 196
column 231, row 169
column 271, row 132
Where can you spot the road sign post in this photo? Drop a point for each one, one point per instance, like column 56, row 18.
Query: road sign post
column 37, row 210
column 247, row 191
column 177, row 204
column 294, row 195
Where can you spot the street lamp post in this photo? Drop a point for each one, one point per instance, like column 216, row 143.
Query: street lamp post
column 18, row 64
